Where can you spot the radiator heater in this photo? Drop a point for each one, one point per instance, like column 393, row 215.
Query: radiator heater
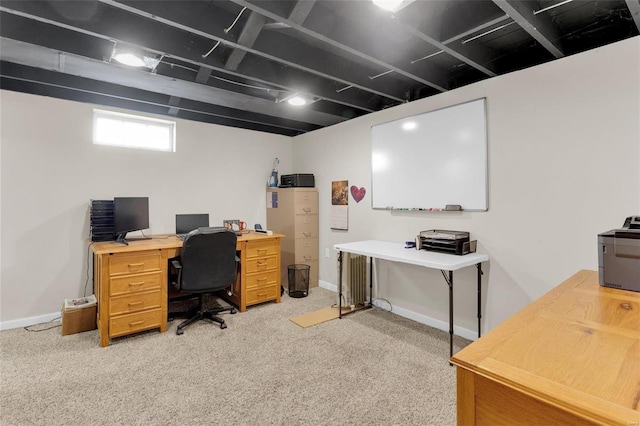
column 357, row 280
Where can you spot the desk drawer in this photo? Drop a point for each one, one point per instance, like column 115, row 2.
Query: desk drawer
column 261, row 248
column 132, row 283
column 261, row 264
column 132, row 323
column 261, row 280
column 263, row 294
column 134, row 303
column 135, row 263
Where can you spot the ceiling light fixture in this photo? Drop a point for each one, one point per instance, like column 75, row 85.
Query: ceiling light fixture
column 297, row 101
column 391, row 5
column 129, row 59
column 134, row 57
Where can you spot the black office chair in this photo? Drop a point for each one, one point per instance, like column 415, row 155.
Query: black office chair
column 207, row 264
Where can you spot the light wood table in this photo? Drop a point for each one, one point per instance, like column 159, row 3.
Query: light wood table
column 130, row 281
column 571, row 357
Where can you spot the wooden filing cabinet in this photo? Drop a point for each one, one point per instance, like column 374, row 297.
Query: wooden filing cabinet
column 132, row 292
column 259, row 275
column 294, row 212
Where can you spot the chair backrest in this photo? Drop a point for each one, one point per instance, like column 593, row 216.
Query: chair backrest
column 208, row 260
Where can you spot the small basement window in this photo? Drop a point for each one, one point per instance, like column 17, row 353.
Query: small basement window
column 133, row 131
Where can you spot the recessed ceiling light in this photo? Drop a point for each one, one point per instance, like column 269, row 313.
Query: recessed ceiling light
column 297, row 101
column 129, row 59
column 391, row 5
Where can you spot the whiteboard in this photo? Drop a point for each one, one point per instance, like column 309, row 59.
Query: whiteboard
column 431, row 160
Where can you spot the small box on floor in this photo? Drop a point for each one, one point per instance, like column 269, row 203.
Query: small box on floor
column 78, row 320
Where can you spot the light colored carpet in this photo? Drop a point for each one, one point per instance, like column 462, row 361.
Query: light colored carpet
column 371, row 367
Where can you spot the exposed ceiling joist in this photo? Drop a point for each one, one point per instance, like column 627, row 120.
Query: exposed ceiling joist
column 236, row 62
column 538, row 27
column 144, row 9
column 258, row 8
column 247, row 38
column 634, row 8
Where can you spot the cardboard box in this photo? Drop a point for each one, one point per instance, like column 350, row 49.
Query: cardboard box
column 78, row 320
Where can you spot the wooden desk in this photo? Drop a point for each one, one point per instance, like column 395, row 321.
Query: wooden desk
column 571, row 357
column 130, row 281
column 395, row 252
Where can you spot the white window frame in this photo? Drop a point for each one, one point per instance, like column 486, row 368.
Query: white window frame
column 122, row 138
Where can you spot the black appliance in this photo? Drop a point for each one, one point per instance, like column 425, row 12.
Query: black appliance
column 451, row 242
column 298, row 180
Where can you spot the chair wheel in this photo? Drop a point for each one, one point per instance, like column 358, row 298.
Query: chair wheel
column 223, row 326
column 233, row 311
column 179, row 331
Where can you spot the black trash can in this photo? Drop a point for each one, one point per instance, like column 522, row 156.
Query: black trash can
column 298, row 280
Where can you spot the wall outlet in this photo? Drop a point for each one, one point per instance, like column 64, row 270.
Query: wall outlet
column 326, row 252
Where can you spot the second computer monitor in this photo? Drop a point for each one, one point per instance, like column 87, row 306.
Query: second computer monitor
column 186, row 223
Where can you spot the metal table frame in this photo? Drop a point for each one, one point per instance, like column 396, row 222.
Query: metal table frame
column 395, row 252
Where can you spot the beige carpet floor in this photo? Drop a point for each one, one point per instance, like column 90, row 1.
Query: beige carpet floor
column 371, row 367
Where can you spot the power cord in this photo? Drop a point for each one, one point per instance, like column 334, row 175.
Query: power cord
column 44, row 329
column 344, row 303
column 87, row 281
column 385, row 300
column 226, row 30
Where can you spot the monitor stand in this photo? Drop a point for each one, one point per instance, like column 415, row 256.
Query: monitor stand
column 122, row 238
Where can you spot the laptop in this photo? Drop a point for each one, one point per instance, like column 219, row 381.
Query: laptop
column 186, row 223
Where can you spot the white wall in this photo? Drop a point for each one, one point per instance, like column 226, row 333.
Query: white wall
column 50, row 170
column 564, row 165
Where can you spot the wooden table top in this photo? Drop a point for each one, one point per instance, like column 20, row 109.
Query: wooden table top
column 161, row 242
column 577, row 347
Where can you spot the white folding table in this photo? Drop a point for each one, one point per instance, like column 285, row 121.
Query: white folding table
column 396, row 252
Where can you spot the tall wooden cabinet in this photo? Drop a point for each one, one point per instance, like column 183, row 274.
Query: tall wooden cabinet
column 294, row 213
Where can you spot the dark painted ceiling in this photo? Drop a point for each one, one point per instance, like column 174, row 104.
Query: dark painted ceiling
column 236, row 62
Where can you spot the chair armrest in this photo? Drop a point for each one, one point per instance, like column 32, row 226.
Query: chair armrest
column 175, row 278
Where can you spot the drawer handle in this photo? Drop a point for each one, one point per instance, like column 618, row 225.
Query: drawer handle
column 307, row 258
column 307, row 233
column 262, row 294
column 132, row 323
column 136, row 265
column 261, row 265
column 262, row 251
column 135, row 303
column 306, row 209
column 264, row 280
column 136, row 284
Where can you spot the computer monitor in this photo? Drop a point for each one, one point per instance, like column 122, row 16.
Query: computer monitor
column 130, row 214
column 186, row 223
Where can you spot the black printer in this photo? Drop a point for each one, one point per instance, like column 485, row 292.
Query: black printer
column 619, row 256
column 298, row 180
column 451, row 242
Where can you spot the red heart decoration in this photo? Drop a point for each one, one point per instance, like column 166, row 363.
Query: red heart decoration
column 358, row 193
